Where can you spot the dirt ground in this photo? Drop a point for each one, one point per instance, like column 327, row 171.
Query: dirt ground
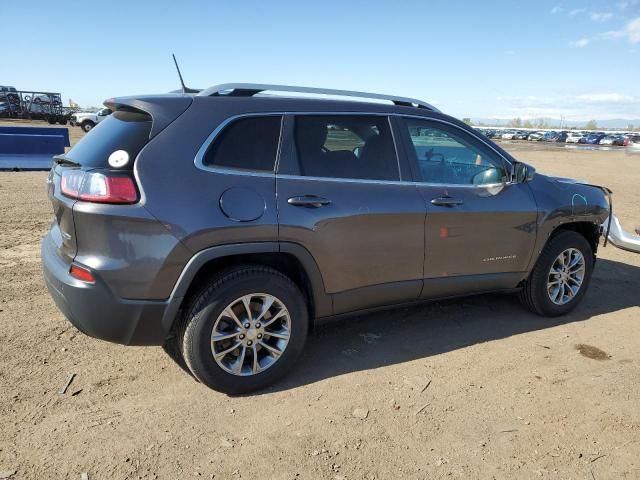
column 475, row 388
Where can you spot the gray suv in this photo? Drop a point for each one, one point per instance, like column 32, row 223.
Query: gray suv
column 233, row 219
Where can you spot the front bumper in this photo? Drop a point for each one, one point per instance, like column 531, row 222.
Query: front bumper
column 619, row 237
column 96, row 311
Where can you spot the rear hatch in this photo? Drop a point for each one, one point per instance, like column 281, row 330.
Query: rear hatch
column 100, row 167
column 124, row 131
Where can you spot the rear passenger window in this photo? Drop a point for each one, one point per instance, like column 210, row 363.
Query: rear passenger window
column 247, row 144
column 345, row 146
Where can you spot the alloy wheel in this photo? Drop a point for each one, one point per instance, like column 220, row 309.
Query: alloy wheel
column 251, row 334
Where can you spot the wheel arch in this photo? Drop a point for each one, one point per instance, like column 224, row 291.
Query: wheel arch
column 589, row 230
column 289, row 259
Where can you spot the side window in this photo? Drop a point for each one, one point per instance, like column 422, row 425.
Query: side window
column 345, row 146
column 249, row 143
column 447, row 155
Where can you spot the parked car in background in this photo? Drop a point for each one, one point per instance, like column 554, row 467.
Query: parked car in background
column 521, row 136
column 561, row 137
column 536, row 136
column 489, row 133
column 594, row 138
column 508, row 135
column 575, row 137
column 550, row 137
column 607, row 140
column 621, row 141
column 485, row 132
column 634, row 142
column 88, row 120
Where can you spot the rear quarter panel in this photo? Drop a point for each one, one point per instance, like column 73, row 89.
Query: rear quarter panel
column 186, row 199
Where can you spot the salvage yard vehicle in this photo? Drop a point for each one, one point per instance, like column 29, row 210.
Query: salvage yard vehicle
column 594, row 138
column 521, row 136
column 607, row 140
column 634, row 142
column 536, row 136
column 88, row 120
column 621, row 140
column 574, row 137
column 233, row 220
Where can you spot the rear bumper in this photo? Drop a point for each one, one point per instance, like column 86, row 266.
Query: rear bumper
column 96, row 311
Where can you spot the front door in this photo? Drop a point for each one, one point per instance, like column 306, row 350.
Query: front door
column 480, row 229
column 340, row 196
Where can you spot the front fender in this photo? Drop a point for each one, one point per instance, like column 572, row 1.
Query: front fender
column 565, row 201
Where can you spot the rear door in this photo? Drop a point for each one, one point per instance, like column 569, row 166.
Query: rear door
column 480, row 230
column 341, row 196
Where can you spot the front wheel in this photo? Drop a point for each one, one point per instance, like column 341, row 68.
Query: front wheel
column 87, row 126
column 244, row 330
column 561, row 276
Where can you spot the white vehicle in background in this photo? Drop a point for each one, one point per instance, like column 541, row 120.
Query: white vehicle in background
column 508, row 135
column 574, row 137
column 607, row 140
column 634, row 142
column 535, row 136
column 88, row 120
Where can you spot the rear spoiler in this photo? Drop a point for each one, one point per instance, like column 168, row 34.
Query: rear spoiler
column 163, row 109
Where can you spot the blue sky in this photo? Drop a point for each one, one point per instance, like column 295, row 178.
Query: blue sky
column 498, row 59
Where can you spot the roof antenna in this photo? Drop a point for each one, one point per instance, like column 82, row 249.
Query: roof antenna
column 185, row 89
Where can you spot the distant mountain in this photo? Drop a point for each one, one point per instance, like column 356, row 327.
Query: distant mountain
column 555, row 122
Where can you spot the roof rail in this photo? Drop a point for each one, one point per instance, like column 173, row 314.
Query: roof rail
column 251, row 89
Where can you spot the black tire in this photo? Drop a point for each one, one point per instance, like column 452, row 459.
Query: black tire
column 534, row 295
column 87, row 126
column 204, row 308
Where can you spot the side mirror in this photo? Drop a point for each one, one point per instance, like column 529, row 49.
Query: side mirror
column 489, row 176
column 521, row 173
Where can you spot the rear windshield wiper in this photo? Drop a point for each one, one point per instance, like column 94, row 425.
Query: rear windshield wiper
column 64, row 160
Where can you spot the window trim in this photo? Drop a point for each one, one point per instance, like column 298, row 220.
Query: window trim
column 507, row 164
column 202, row 151
column 198, row 160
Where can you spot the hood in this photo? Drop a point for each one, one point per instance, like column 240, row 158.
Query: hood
column 572, row 181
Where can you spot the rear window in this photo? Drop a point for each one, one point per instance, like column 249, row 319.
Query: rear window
column 123, row 130
column 246, row 144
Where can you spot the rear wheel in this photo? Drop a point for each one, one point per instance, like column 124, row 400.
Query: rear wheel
column 561, row 276
column 244, row 330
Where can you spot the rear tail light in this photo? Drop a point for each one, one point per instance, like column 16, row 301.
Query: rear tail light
column 81, row 273
column 98, row 187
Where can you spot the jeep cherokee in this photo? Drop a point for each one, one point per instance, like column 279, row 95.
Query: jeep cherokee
column 232, row 219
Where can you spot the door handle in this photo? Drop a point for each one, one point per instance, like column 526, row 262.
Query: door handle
column 309, row 201
column 446, row 201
